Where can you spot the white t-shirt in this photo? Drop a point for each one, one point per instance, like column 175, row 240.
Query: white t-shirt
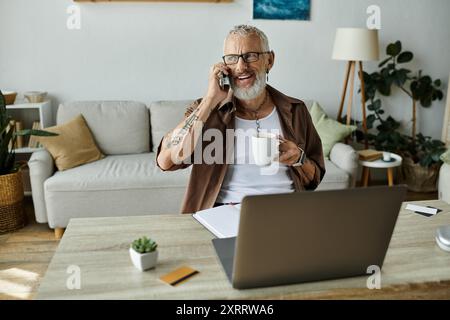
column 244, row 177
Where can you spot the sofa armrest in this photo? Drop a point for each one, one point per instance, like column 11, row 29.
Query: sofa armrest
column 41, row 168
column 345, row 158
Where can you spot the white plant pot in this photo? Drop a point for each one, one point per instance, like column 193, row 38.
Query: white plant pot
column 144, row 261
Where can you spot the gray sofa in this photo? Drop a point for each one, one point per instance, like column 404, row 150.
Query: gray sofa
column 127, row 181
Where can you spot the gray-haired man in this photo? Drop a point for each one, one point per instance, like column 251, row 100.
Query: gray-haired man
column 249, row 103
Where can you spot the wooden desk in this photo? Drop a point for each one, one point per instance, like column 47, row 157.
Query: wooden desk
column 414, row 266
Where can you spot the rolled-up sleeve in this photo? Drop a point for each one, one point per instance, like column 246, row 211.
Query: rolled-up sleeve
column 312, row 171
column 189, row 109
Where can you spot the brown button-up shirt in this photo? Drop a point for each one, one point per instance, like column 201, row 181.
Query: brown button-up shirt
column 206, row 179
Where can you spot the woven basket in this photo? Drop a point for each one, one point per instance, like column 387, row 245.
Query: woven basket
column 12, row 215
column 418, row 178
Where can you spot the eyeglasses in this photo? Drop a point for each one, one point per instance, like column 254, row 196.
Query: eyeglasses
column 247, row 57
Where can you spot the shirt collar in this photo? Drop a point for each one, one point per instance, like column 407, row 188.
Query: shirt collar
column 283, row 102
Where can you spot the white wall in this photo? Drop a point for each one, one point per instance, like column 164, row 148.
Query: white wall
column 149, row 51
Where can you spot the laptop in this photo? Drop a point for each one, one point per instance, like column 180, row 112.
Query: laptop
column 310, row 236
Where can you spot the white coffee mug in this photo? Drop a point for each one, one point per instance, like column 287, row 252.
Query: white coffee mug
column 386, row 156
column 265, row 148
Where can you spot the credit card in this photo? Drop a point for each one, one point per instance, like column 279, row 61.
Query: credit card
column 178, row 276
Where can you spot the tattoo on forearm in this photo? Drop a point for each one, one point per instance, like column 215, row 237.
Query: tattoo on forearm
column 188, row 124
column 168, row 141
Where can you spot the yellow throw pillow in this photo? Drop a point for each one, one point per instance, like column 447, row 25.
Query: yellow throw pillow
column 73, row 146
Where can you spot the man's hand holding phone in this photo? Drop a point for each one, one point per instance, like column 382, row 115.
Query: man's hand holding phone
column 224, row 81
column 219, row 83
column 175, row 150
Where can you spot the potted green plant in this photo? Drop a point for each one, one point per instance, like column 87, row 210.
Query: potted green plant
column 420, row 166
column 421, row 163
column 421, row 87
column 421, row 156
column 144, row 253
column 11, row 185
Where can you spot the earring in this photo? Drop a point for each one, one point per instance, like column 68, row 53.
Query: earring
column 267, row 75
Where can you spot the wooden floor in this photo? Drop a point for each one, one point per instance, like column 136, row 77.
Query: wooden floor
column 24, row 257
column 26, row 254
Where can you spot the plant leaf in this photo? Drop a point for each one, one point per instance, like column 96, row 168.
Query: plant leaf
column 394, row 49
column 398, row 46
column 384, row 88
column 405, row 56
column 34, row 132
column 425, row 79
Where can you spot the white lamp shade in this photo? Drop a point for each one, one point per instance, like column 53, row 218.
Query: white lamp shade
column 356, row 44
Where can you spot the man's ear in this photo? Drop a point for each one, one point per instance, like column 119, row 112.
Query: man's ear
column 271, row 60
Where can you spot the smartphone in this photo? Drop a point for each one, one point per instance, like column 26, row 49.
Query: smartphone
column 224, row 82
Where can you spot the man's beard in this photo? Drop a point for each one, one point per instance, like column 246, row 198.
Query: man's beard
column 254, row 91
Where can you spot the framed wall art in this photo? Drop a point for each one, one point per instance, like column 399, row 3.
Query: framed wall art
column 281, row 9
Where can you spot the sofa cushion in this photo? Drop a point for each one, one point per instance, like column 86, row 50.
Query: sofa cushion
column 445, row 157
column 73, row 146
column 308, row 104
column 329, row 130
column 117, row 172
column 116, row 186
column 121, row 172
column 166, row 115
column 335, row 178
column 118, row 127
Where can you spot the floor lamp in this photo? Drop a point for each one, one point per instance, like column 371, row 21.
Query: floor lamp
column 355, row 45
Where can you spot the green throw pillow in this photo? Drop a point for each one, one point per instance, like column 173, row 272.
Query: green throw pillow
column 316, row 113
column 329, row 130
column 445, row 157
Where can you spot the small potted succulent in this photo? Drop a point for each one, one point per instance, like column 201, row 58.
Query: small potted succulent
column 143, row 253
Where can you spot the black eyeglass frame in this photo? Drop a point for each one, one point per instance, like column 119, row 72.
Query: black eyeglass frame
column 242, row 56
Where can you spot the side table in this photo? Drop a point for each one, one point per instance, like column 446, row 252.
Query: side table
column 380, row 163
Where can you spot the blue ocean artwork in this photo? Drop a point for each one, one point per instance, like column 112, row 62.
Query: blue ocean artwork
column 281, row 9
